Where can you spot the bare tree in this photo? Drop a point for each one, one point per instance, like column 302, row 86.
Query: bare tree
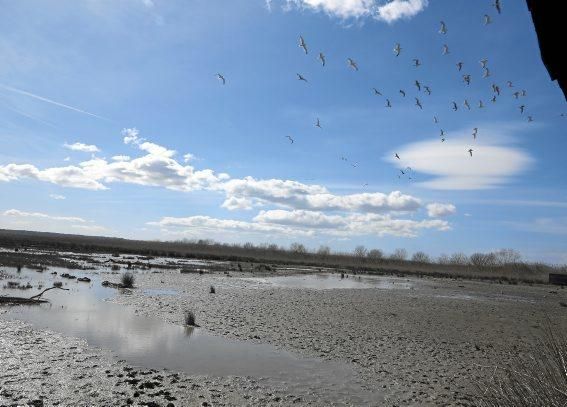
column 507, row 256
column 420, row 257
column 483, row 260
column 375, row 254
column 297, row 248
column 459, row 259
column 443, row 259
column 324, row 251
column 399, row 254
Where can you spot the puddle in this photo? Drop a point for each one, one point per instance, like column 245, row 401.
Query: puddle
column 328, row 281
column 152, row 343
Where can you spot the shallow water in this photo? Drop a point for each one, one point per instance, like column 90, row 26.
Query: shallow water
column 331, row 281
column 152, row 343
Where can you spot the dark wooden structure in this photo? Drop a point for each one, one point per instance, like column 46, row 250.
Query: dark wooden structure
column 557, row 279
column 548, row 16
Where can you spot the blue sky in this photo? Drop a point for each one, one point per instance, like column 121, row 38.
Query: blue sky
column 113, row 122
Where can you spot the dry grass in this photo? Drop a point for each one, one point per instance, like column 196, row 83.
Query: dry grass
column 189, row 318
column 538, row 378
column 127, row 280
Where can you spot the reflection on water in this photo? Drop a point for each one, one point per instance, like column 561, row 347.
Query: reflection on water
column 328, row 281
column 152, row 343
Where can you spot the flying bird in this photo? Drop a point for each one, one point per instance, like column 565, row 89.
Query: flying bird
column 402, row 171
column 290, row 139
column 435, row 119
column 301, row 78
column 427, row 90
column 445, row 49
column 467, row 79
column 496, row 89
column 443, row 140
column 403, row 93
column 510, row 84
column 397, row 49
column 487, row 19
column 418, row 103
column 516, row 94
column 388, row 104
column 483, row 62
column 352, row 64
column 418, row 85
column 443, row 29
column 470, row 151
column 480, row 104
column 221, row 78
column 322, row 58
column 318, row 124
column 475, row 132
column 459, row 66
column 397, row 156
column 466, row 104
column 377, row 92
column 302, row 44
column 524, row 93
column 493, row 99
column 530, row 119
column 497, row 6
column 416, row 62
column 522, row 107
column 486, row 73
column 455, row 107
column 442, row 133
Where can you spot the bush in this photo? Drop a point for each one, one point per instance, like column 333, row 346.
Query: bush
column 459, row 259
column 189, row 318
column 127, row 280
column 482, row 260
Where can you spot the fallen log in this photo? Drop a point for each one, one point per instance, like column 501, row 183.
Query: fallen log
column 36, row 299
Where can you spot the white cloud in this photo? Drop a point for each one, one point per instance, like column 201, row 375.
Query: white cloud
column 494, row 162
column 188, row 157
column 437, row 210
column 85, row 148
column 57, row 197
column 17, row 219
column 297, row 195
column 310, row 223
column 121, row 158
column 23, row 214
column 130, row 136
column 391, row 11
column 67, row 159
column 397, row 9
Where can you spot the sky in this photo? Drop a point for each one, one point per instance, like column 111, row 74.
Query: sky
column 113, row 122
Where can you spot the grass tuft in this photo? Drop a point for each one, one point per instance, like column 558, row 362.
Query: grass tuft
column 189, row 318
column 127, row 280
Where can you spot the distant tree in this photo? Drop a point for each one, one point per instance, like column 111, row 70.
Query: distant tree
column 483, row 260
column 248, row 246
column 459, row 259
column 507, row 256
column 375, row 254
column 443, row 259
column 360, row 252
column 273, row 247
column 399, row 255
column 420, row 257
column 324, row 251
column 297, row 248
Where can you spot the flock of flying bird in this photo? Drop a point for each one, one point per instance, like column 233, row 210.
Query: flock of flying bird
column 351, row 63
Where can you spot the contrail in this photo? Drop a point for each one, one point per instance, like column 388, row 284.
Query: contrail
column 53, row 102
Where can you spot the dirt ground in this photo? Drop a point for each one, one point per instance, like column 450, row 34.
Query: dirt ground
column 429, row 345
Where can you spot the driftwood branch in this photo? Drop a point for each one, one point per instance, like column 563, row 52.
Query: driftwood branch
column 36, row 297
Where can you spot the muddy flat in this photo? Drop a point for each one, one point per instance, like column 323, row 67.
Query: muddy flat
column 284, row 337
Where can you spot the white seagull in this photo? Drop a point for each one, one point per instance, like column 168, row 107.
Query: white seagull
column 322, row 58
column 352, row 64
column 301, row 78
column 445, row 49
column 302, row 44
column 487, row 19
column 318, row 124
column 443, row 29
column 397, row 49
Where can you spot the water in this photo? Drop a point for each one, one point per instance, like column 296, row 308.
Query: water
column 152, row 343
column 329, row 281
